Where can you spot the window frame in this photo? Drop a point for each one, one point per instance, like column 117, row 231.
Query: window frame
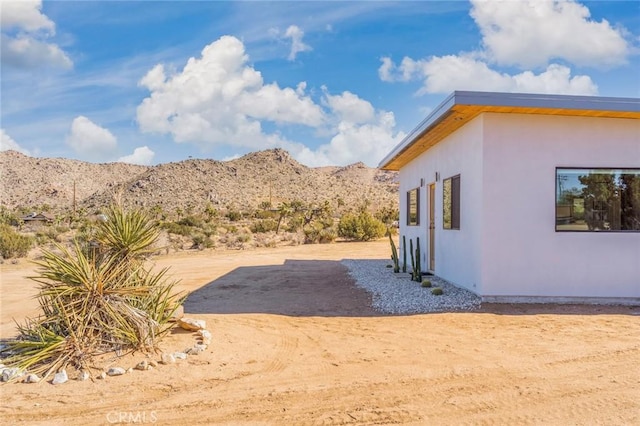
column 453, row 222
column 557, row 196
column 410, row 222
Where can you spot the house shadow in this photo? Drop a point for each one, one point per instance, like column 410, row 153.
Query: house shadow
column 295, row 288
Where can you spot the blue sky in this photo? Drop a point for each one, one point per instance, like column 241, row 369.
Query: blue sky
column 332, row 82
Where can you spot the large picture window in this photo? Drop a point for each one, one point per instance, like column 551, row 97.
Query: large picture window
column 597, row 199
column 413, row 207
column 451, row 203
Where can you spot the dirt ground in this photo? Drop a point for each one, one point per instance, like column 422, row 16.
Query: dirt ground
column 296, row 343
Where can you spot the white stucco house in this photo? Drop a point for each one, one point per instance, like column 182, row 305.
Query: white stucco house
column 526, row 198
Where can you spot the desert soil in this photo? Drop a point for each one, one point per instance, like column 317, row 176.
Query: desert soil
column 296, row 343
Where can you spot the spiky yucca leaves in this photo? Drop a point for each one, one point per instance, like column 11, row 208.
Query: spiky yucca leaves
column 97, row 301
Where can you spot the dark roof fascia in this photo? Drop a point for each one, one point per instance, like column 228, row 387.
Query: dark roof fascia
column 498, row 99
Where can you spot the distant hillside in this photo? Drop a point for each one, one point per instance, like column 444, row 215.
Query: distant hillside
column 244, row 183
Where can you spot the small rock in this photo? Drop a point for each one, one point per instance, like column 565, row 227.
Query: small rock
column 60, row 378
column 32, row 378
column 180, row 355
column 142, row 365
column 168, row 359
column 153, row 363
column 191, row 324
column 115, row 371
column 196, row 349
column 11, row 373
column 82, row 376
column 129, row 370
column 205, row 335
column 102, row 375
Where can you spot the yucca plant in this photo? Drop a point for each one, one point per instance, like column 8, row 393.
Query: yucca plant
column 97, row 298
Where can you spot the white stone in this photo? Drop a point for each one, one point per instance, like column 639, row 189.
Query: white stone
column 180, row 355
column 168, row 359
column 102, row 375
column 32, row 378
column 11, row 373
column 60, row 378
column 196, row 349
column 115, row 371
column 191, row 324
column 82, row 376
column 142, row 365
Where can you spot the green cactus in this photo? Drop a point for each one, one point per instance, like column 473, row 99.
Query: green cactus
column 394, row 255
column 404, row 254
column 413, row 260
column 417, row 275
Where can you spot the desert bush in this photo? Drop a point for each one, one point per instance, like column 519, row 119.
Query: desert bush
column 234, row 215
column 360, row 227
column 319, row 233
column 98, row 304
column 190, row 221
column 243, row 238
column 426, row 283
column 262, row 226
column 437, row 291
column 201, row 241
column 12, row 243
column 177, row 229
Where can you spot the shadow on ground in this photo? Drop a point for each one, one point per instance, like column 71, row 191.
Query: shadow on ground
column 295, row 288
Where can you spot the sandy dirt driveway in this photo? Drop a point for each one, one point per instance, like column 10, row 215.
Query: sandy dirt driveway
column 296, row 343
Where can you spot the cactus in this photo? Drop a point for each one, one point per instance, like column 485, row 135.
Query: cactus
column 394, row 255
column 417, row 275
column 404, row 254
column 413, row 261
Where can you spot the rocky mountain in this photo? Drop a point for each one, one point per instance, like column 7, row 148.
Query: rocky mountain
column 242, row 184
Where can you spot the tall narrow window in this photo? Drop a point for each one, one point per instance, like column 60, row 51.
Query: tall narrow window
column 451, row 203
column 598, row 200
column 413, row 207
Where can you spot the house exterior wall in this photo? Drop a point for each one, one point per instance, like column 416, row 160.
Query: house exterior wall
column 458, row 252
column 522, row 255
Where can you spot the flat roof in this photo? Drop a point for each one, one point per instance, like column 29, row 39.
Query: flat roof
column 462, row 106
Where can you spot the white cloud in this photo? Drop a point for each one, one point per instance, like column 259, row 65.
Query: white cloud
column 90, row 140
column 527, row 33
column 219, row 99
column 297, row 45
column 25, row 30
column 24, row 15
column 142, row 156
column 531, row 33
column 448, row 73
column 7, row 143
column 361, row 133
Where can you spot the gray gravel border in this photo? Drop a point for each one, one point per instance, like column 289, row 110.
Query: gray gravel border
column 395, row 293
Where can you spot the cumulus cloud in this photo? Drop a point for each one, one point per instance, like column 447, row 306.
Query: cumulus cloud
column 90, row 140
column 7, row 143
column 360, row 133
column 297, row 45
column 531, row 33
column 25, row 33
column 448, row 73
column 142, row 156
column 219, row 99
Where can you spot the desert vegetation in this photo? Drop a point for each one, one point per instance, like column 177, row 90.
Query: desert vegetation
column 96, row 297
column 205, row 227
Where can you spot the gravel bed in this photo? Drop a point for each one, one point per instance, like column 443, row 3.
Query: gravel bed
column 396, row 294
